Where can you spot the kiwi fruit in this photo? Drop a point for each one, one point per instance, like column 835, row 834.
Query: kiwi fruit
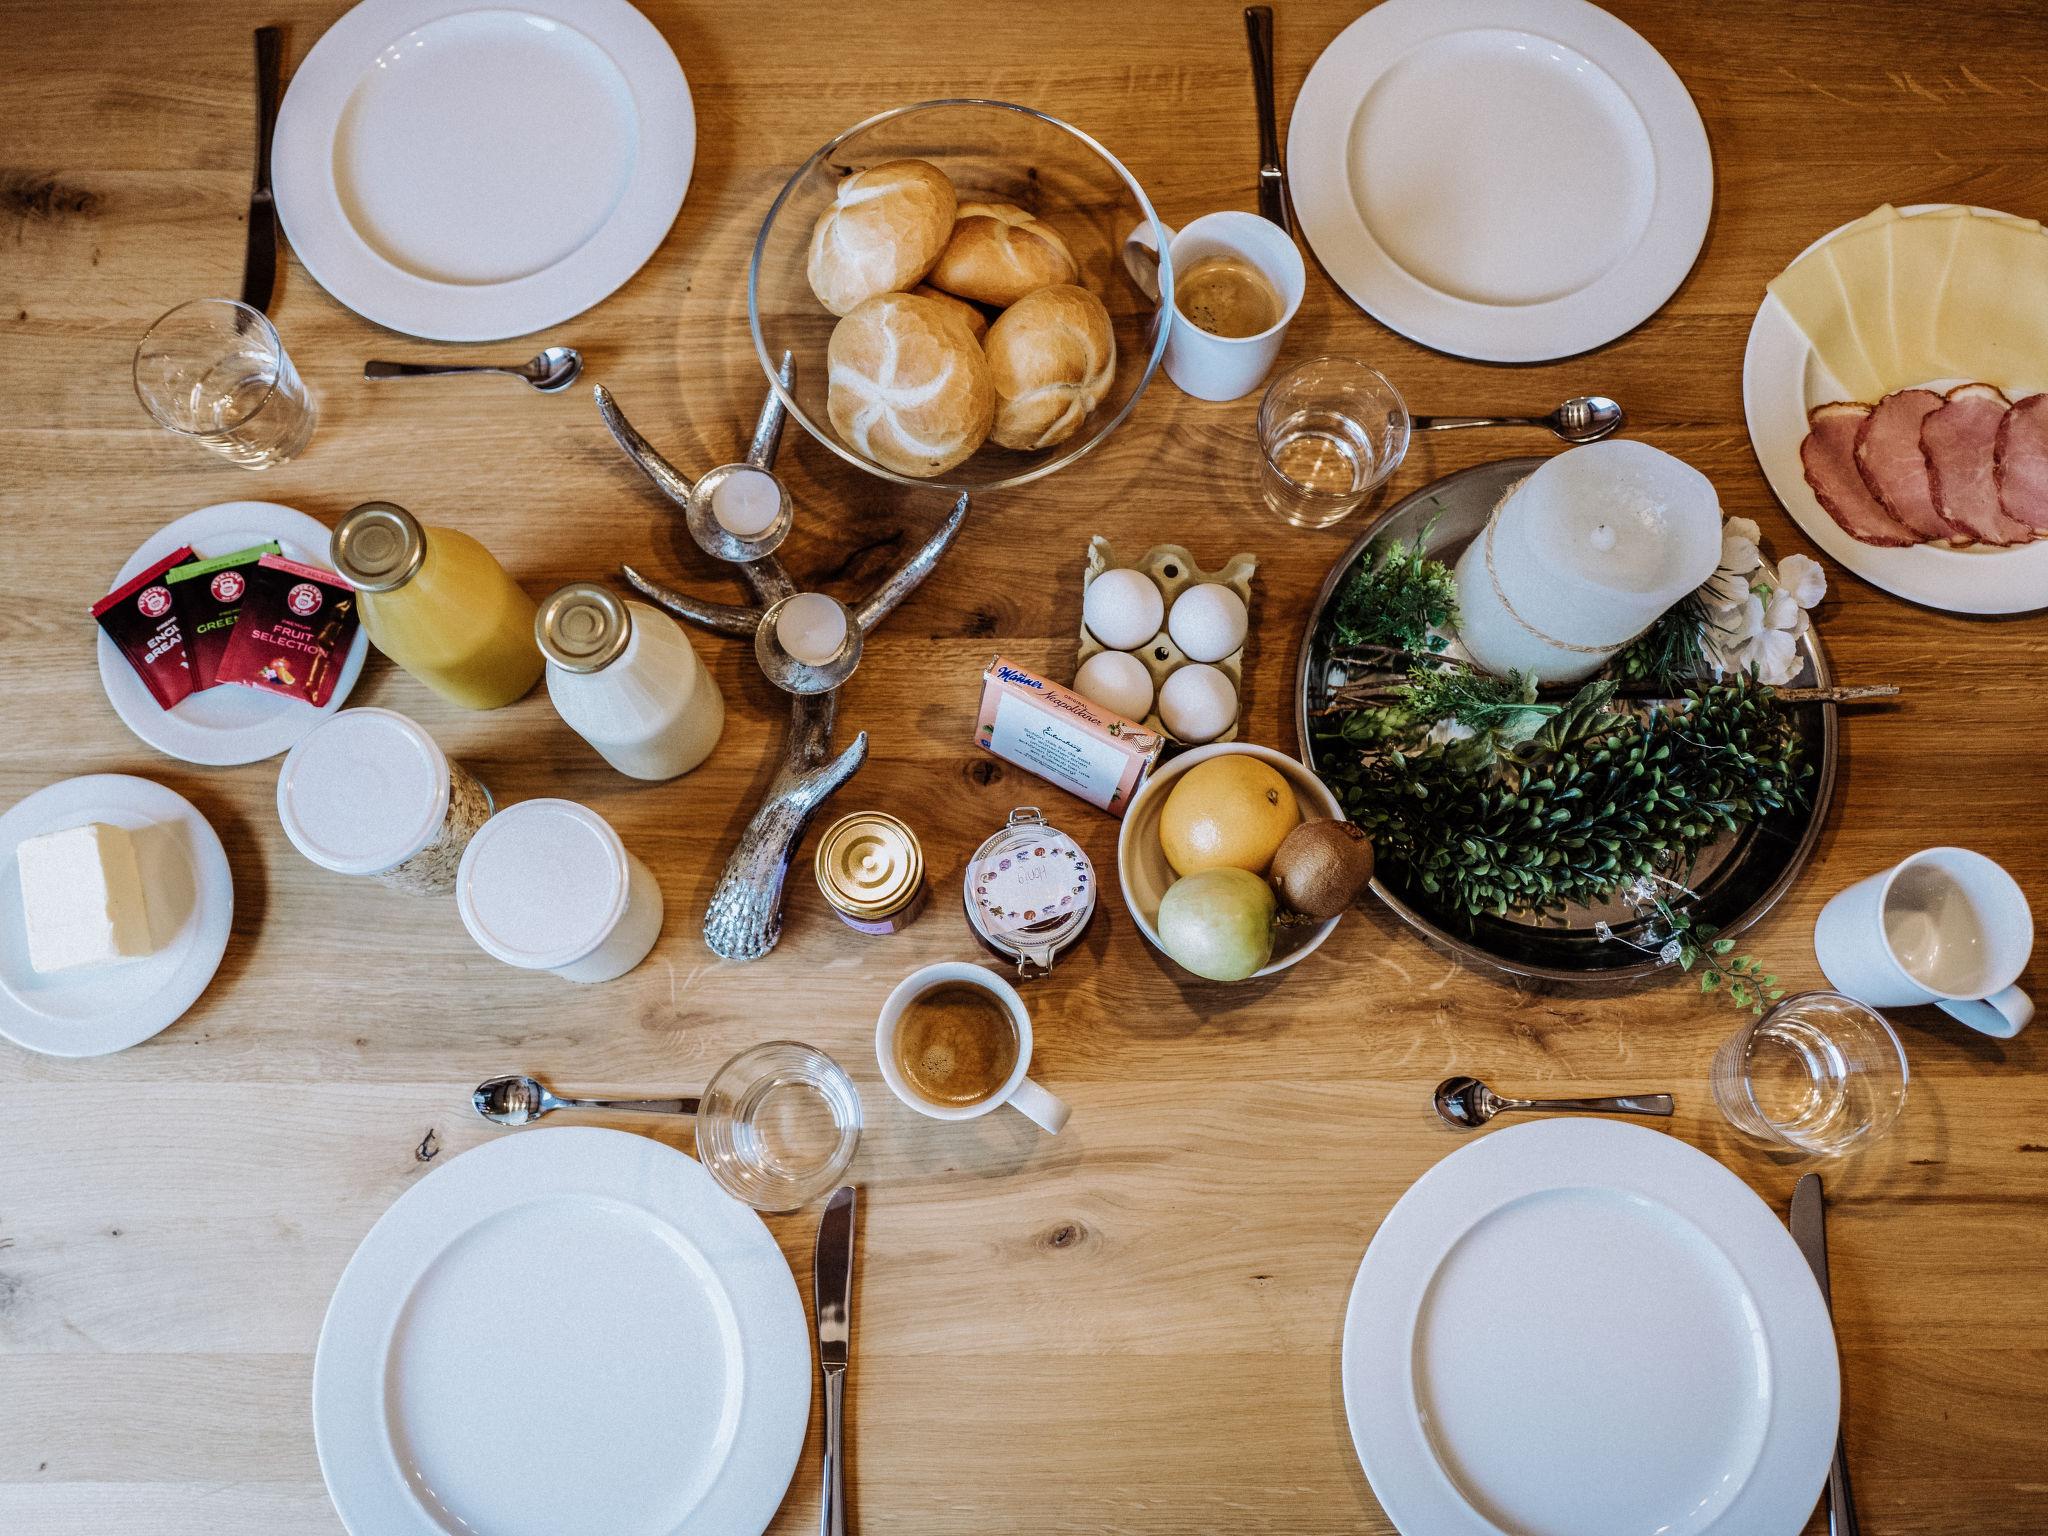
column 1321, row 866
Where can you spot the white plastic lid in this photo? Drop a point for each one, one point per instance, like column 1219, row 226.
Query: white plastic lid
column 542, row 883
column 363, row 792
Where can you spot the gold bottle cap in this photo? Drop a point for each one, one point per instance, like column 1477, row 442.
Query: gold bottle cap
column 869, row 864
column 583, row 627
column 377, row 546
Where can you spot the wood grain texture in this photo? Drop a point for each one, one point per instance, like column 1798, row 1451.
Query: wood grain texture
column 1132, row 1328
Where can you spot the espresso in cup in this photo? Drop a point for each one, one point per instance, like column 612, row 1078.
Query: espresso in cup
column 956, row 1044
column 1228, row 296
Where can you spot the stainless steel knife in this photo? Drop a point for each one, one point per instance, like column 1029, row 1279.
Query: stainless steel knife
column 1810, row 1232
column 259, row 265
column 832, row 1286
column 1258, row 31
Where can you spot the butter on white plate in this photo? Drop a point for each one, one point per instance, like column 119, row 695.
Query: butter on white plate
column 82, row 898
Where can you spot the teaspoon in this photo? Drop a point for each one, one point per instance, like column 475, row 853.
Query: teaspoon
column 549, row 372
column 523, row 1100
column 1467, row 1103
column 1581, row 419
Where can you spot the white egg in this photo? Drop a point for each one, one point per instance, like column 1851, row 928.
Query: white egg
column 1123, row 608
column 1197, row 703
column 1208, row 622
column 1117, row 681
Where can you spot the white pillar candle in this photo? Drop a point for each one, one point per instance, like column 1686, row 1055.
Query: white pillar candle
column 812, row 628
column 746, row 503
column 1582, row 557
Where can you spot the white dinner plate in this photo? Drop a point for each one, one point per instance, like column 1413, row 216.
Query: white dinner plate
column 106, row 1008
column 564, row 1330
column 1781, row 380
column 1584, row 1328
column 1507, row 180
column 227, row 723
column 468, row 173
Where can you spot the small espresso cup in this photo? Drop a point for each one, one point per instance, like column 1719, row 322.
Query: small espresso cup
column 1045, row 1109
column 1221, row 367
column 1946, row 926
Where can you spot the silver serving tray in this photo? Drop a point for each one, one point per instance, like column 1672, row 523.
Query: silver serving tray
column 1739, row 878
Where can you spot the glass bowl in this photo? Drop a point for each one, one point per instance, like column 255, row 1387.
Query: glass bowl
column 993, row 151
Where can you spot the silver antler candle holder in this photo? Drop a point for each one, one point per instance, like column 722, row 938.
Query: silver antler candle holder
column 806, row 642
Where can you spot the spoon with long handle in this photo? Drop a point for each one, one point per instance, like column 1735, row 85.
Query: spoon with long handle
column 523, row 1100
column 549, row 372
column 1581, row 419
column 1467, row 1103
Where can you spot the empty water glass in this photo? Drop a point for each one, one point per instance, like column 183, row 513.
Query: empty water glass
column 213, row 370
column 1820, row 1073
column 1331, row 432
column 778, row 1125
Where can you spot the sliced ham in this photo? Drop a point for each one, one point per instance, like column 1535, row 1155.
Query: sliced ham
column 2020, row 463
column 1894, row 469
column 1960, row 441
column 1829, row 458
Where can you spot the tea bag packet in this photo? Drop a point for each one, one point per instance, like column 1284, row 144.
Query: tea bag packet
column 207, row 597
column 140, row 618
column 296, row 625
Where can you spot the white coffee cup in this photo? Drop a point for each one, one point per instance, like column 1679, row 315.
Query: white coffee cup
column 1221, row 367
column 1046, row 1109
column 1946, row 926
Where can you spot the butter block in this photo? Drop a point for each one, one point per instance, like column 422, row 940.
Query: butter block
column 82, row 898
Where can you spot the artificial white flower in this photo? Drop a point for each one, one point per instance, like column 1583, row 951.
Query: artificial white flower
column 1773, row 656
column 1782, row 612
column 1724, row 590
column 1739, row 551
column 1804, row 579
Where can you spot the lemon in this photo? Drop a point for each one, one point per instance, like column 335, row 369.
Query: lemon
column 1229, row 812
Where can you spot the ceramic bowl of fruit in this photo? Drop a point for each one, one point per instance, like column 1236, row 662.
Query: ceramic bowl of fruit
column 1237, row 862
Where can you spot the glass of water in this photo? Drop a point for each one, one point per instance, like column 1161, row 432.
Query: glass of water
column 1331, row 432
column 213, row 370
column 778, row 1125
column 1820, row 1073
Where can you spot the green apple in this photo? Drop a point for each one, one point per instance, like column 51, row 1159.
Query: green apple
column 1218, row 923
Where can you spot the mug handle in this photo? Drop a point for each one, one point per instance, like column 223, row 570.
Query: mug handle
column 2001, row 1015
column 1048, row 1111
column 1141, row 258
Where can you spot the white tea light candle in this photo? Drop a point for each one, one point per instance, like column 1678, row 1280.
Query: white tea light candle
column 1582, row 557
column 812, row 628
column 746, row 503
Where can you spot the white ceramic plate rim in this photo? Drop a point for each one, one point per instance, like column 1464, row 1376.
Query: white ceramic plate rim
column 349, row 1405
column 118, row 798
column 1507, row 1165
column 1781, row 381
column 342, row 262
column 1628, row 293
column 221, row 530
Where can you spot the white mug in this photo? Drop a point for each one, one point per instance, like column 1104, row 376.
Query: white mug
column 1946, row 926
column 1220, row 367
column 1046, row 1109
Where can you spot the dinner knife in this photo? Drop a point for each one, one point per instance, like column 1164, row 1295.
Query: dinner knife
column 259, row 265
column 832, row 1284
column 1810, row 1232
column 1258, row 31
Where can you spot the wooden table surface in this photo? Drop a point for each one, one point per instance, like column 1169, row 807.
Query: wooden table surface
column 1134, row 1327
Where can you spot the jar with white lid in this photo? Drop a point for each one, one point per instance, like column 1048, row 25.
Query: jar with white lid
column 626, row 679
column 546, row 885
column 368, row 792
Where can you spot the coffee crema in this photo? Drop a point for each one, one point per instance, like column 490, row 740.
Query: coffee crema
column 956, row 1044
column 1227, row 296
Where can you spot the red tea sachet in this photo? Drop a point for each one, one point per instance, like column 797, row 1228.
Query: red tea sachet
column 207, row 595
column 139, row 618
column 294, row 632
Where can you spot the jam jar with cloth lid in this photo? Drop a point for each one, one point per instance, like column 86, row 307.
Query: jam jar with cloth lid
column 1030, row 892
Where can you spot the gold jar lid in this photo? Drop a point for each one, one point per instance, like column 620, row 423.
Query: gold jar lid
column 377, row 546
column 582, row 627
column 869, row 864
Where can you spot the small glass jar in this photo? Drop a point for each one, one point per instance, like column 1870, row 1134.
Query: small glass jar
column 1029, row 892
column 870, row 868
column 778, row 1125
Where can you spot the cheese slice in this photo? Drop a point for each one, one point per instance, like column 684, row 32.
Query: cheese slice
column 1837, row 293
column 1922, row 248
column 1991, row 323
column 82, row 898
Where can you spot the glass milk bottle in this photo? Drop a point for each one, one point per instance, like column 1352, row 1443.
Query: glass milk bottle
column 627, row 680
column 439, row 604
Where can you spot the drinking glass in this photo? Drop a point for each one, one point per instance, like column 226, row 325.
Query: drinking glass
column 1331, row 432
column 1820, row 1073
column 213, row 370
column 778, row 1125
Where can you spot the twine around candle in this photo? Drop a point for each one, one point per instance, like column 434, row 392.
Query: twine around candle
column 1486, row 537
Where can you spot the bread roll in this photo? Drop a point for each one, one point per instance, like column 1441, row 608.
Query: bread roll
column 885, row 228
column 975, row 321
column 1052, row 357
column 908, row 387
column 998, row 253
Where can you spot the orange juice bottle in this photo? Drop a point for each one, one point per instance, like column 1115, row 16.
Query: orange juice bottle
column 439, row 604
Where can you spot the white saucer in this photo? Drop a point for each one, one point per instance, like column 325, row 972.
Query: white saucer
column 469, row 173
column 109, row 1008
column 225, row 724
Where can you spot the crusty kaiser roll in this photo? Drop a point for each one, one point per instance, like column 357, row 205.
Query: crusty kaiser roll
column 908, row 386
column 886, row 226
column 975, row 321
column 1052, row 355
column 998, row 253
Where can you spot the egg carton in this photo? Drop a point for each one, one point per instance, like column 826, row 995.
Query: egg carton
column 1175, row 570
